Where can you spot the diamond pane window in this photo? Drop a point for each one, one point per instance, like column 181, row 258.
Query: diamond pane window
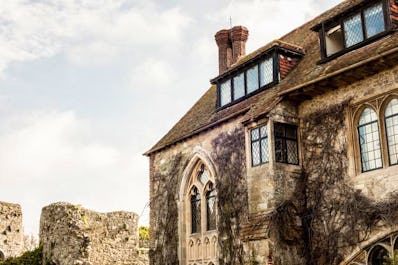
column 225, row 91
column 374, row 20
column 286, row 146
column 239, row 86
column 195, row 211
column 369, row 141
column 211, row 209
column 266, row 72
column 353, row 30
column 259, row 145
column 391, row 120
column 252, row 79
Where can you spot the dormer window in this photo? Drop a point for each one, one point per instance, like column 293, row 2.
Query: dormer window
column 353, row 30
column 247, row 82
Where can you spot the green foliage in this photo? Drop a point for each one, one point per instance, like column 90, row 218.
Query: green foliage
column 143, row 232
column 393, row 260
column 33, row 257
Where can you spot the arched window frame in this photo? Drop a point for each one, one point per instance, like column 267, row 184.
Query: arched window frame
column 192, row 178
column 358, row 138
column 365, row 255
column 388, row 117
column 379, row 105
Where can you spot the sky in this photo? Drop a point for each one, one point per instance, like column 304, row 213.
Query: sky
column 87, row 86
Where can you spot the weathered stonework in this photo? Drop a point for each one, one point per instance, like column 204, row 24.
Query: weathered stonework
column 73, row 235
column 11, row 232
column 331, row 207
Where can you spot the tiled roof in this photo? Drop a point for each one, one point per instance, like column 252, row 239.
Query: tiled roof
column 203, row 114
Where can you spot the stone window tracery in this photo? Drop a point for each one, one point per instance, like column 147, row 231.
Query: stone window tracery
column 375, row 129
column 200, row 223
column 391, row 121
column 378, row 253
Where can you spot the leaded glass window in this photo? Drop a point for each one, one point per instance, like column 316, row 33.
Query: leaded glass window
column 211, row 209
column 252, row 79
column 391, row 121
column 286, row 146
column 259, row 145
column 195, row 211
column 344, row 34
column 225, row 91
column 374, row 20
column 266, row 72
column 353, row 30
column 369, row 141
column 239, row 86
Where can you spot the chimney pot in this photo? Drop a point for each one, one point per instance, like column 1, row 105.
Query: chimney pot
column 239, row 35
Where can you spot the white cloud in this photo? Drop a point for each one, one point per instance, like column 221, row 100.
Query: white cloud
column 55, row 156
column 86, row 31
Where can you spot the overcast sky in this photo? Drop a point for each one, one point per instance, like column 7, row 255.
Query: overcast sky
column 87, row 86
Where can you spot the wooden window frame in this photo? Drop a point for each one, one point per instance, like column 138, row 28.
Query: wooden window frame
column 340, row 21
column 275, row 74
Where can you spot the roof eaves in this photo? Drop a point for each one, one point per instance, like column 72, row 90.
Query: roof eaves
column 333, row 74
column 199, row 130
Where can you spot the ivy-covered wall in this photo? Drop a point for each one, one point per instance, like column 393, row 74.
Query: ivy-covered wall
column 231, row 184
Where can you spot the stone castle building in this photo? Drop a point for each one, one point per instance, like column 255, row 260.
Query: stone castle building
column 291, row 155
column 11, row 232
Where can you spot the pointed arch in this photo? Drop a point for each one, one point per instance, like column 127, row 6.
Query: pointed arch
column 197, row 177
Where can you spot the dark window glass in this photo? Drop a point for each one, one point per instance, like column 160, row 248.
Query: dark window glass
column 252, row 79
column 374, row 20
column 239, row 86
column 369, row 141
column 259, row 145
column 195, row 211
column 211, row 209
column 225, row 91
column 391, row 120
column 353, row 30
column 286, row 147
column 378, row 256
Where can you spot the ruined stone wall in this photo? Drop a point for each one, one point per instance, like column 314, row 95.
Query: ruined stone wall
column 11, row 232
column 71, row 234
column 224, row 146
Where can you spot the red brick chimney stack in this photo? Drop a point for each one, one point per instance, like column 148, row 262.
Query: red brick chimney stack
column 224, row 50
column 239, row 36
column 231, row 46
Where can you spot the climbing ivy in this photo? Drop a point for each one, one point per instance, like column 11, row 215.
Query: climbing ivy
column 325, row 214
column 229, row 158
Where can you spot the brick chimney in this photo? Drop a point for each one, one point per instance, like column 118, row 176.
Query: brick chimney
column 231, row 46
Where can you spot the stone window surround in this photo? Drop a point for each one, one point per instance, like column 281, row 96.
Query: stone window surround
column 385, row 240
column 269, row 122
column 206, row 253
column 378, row 104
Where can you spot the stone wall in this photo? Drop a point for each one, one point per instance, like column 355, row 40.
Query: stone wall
column 73, row 235
column 11, row 233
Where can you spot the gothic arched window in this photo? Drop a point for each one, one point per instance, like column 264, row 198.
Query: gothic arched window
column 195, row 211
column 198, row 217
column 369, row 140
column 211, row 208
column 391, row 121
